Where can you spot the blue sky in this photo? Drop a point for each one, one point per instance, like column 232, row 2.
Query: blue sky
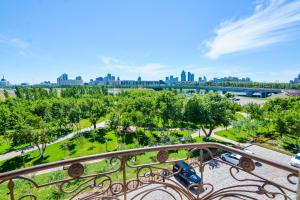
column 41, row 39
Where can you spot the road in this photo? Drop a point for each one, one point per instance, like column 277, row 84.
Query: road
column 32, row 148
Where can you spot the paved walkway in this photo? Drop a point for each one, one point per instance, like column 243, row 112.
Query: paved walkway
column 99, row 125
column 32, row 148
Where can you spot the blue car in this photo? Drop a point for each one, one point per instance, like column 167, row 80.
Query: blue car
column 185, row 173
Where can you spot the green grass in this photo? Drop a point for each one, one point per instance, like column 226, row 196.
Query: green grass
column 274, row 141
column 51, row 192
column 87, row 144
column 233, row 135
column 71, row 148
column 6, row 145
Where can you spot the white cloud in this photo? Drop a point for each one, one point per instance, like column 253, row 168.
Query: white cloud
column 270, row 23
column 107, row 60
column 18, row 43
column 129, row 70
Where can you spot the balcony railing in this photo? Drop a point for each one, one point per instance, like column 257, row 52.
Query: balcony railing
column 129, row 174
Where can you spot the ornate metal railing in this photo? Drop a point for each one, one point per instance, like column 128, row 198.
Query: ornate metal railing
column 128, row 175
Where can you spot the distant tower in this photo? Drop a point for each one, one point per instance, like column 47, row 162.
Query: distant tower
column 191, row 77
column 62, row 78
column 139, row 79
column 183, row 76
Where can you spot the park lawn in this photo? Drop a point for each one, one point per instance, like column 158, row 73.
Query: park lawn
column 51, row 192
column 233, row 135
column 84, row 123
column 87, row 145
column 22, row 187
column 284, row 144
column 204, row 139
column 75, row 147
column 6, row 146
column 238, row 115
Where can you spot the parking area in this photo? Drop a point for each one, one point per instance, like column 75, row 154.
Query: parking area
column 223, row 177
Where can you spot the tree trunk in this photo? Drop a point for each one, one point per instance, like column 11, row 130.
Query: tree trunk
column 203, row 129
column 95, row 125
column 199, row 131
column 210, row 132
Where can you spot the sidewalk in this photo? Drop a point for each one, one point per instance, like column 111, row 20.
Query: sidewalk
column 32, row 148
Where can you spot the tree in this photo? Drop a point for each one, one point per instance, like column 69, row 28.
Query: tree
column 193, row 110
column 229, row 95
column 168, row 108
column 5, row 93
column 59, row 112
column 22, row 134
column 114, row 120
column 41, row 137
column 4, row 119
column 209, row 111
column 96, row 110
column 74, row 116
column 255, row 111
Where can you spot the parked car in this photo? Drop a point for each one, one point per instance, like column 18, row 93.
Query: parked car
column 185, row 173
column 295, row 160
column 231, row 158
column 248, row 151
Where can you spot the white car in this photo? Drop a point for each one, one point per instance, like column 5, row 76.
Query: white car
column 295, row 160
column 231, row 158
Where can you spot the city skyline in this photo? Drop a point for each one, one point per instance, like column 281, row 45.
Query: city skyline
column 184, row 76
column 256, row 39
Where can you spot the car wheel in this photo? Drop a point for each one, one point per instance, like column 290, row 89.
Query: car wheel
column 223, row 158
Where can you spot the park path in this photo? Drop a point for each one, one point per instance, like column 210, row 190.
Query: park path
column 99, row 125
column 195, row 134
column 28, row 149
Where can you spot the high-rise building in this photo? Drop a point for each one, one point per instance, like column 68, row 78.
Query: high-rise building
column 171, row 79
column 62, row 78
column 183, row 76
column 296, row 80
column 231, row 79
column 202, row 80
column 64, row 81
column 4, row 82
column 191, row 77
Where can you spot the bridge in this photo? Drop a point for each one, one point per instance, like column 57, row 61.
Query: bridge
column 264, row 92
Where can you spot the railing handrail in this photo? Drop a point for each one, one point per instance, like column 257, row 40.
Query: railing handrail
column 131, row 152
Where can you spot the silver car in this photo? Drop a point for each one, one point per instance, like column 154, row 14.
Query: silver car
column 231, row 158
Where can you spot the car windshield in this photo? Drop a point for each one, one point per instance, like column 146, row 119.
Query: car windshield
column 297, row 157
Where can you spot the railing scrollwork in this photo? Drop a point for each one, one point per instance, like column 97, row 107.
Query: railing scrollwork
column 127, row 178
